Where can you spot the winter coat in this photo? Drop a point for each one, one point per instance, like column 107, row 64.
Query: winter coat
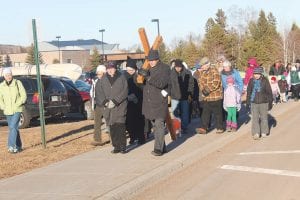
column 117, row 92
column 181, row 84
column 283, row 86
column 236, row 76
column 155, row 105
column 210, row 80
column 12, row 97
column 264, row 96
column 276, row 71
column 293, row 78
column 133, row 89
column 275, row 88
column 232, row 97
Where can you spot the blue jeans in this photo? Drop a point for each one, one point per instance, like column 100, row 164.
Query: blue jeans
column 183, row 107
column 14, row 139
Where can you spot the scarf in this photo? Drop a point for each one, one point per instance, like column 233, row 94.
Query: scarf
column 256, row 88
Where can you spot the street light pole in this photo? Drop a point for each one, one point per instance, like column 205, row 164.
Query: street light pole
column 101, row 31
column 157, row 21
column 58, row 37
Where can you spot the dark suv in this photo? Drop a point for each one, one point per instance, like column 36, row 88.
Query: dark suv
column 55, row 98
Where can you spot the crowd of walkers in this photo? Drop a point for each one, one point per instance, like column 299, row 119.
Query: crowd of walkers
column 141, row 101
column 215, row 91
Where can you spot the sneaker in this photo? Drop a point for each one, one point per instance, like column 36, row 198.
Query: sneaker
column 263, row 135
column 201, row 131
column 233, row 129
column 96, row 143
column 13, row 150
column 156, row 152
column 228, row 129
column 219, row 131
column 256, row 136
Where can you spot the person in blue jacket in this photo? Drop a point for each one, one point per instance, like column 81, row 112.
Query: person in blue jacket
column 229, row 71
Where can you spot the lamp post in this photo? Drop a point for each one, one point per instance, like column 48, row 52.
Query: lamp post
column 157, row 21
column 101, row 31
column 58, row 37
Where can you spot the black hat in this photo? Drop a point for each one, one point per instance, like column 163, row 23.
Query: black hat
column 131, row 63
column 178, row 63
column 298, row 61
column 111, row 64
column 153, row 55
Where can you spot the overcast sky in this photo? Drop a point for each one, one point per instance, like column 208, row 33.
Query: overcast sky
column 79, row 19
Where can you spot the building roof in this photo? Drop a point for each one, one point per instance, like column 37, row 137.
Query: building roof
column 76, row 43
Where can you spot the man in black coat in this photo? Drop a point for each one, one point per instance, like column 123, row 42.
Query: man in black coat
column 155, row 101
column 111, row 92
column 181, row 89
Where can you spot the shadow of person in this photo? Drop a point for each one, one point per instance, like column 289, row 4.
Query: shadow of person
column 272, row 121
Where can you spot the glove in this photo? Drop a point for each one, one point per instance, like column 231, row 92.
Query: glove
column 144, row 72
column 111, row 104
column 205, row 92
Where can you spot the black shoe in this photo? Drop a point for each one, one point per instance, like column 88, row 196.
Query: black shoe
column 115, row 151
column 156, row 152
column 141, row 142
column 123, row 151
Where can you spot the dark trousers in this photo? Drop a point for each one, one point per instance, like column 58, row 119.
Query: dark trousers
column 118, row 136
column 135, row 123
column 216, row 108
column 295, row 91
column 159, row 134
column 98, row 113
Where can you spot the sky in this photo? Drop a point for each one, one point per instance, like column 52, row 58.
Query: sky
column 121, row 19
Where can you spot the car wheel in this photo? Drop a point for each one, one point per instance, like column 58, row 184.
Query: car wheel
column 24, row 120
column 88, row 112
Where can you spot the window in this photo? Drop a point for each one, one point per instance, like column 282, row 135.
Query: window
column 69, row 60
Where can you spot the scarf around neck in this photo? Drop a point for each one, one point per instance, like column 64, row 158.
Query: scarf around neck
column 256, row 88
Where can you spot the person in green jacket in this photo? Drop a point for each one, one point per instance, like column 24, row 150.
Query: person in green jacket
column 12, row 98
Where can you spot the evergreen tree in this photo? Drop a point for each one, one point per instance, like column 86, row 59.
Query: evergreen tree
column 221, row 18
column 164, row 53
column 30, row 56
column 7, row 62
column 209, row 24
column 95, row 59
column 191, row 52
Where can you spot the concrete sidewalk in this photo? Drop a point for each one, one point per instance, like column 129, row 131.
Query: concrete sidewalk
column 99, row 174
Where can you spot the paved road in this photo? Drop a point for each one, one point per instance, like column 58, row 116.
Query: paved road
column 243, row 169
column 192, row 169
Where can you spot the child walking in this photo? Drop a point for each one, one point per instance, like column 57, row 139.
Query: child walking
column 260, row 98
column 275, row 89
column 283, row 88
column 232, row 104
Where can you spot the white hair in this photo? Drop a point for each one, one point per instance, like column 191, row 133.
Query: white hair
column 226, row 63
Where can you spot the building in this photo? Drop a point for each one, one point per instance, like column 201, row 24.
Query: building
column 76, row 52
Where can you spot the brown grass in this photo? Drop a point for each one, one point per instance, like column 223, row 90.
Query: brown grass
column 64, row 140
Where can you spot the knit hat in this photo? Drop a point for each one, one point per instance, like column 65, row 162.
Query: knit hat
column 258, row 70
column 6, row 70
column 131, row 63
column 204, row 61
column 178, row 63
column 101, row 68
column 153, row 55
column 230, row 79
column 298, row 61
column 282, row 77
column 252, row 61
column 111, row 64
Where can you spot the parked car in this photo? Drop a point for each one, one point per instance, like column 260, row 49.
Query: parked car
column 55, row 98
column 79, row 100
column 87, row 76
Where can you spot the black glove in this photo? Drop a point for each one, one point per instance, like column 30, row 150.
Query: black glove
column 205, row 91
column 144, row 72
